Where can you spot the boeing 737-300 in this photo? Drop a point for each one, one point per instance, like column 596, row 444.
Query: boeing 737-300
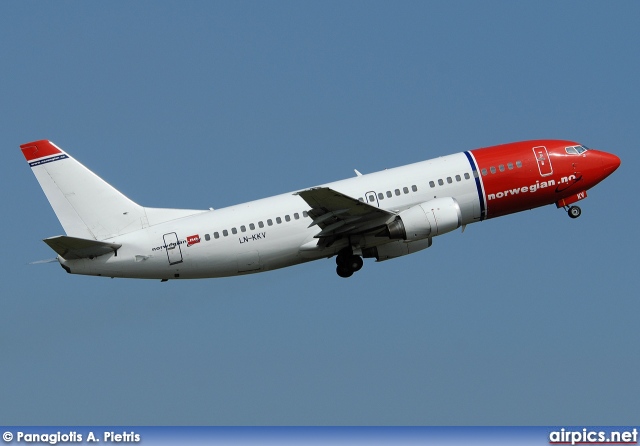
column 382, row 215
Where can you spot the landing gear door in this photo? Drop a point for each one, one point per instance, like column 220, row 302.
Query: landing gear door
column 544, row 163
column 171, row 244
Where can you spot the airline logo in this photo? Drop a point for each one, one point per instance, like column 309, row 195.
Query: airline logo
column 193, row 239
column 531, row 188
column 563, row 184
column 48, row 160
column 42, row 152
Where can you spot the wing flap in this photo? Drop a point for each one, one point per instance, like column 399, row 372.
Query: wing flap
column 334, row 201
column 339, row 215
column 328, row 215
column 73, row 248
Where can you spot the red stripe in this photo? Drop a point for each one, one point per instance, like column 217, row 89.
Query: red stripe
column 39, row 149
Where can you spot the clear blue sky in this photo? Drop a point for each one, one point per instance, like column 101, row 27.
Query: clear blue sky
column 527, row 319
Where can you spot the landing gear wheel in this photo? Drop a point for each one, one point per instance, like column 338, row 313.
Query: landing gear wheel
column 355, row 263
column 574, row 212
column 348, row 264
column 344, row 271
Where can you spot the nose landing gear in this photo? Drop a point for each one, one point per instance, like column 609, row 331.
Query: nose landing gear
column 574, row 211
column 348, row 263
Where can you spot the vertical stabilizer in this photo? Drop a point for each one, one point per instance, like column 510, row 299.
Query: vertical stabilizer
column 86, row 205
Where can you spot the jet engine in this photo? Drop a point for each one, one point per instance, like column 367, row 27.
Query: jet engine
column 413, row 229
column 428, row 219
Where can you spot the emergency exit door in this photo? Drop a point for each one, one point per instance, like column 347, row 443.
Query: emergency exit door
column 372, row 198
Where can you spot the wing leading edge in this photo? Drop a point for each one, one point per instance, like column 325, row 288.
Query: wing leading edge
column 339, row 215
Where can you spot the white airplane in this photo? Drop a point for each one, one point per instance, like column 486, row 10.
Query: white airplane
column 381, row 215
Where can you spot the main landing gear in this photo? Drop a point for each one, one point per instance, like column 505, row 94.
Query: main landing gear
column 574, row 211
column 348, row 263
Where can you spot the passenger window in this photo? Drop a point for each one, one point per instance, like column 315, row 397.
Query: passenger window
column 296, row 216
column 466, row 175
column 432, row 184
column 360, row 199
column 458, row 178
column 484, row 171
column 216, row 235
column 440, row 182
column 449, row 180
column 243, row 228
column 270, row 222
column 234, row 231
column 510, row 166
column 492, row 169
column 380, row 196
column 405, row 190
column 414, row 188
column 372, row 198
column 518, row 164
column 397, row 191
column 305, row 214
column 389, row 194
column 278, row 220
column 207, row 237
column 252, row 226
column 260, row 224
column 225, row 233
column 287, row 218
column 501, row 167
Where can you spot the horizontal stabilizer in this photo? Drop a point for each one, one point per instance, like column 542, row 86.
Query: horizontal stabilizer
column 73, row 248
column 39, row 262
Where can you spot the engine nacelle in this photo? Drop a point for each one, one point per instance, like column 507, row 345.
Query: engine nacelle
column 428, row 219
column 395, row 249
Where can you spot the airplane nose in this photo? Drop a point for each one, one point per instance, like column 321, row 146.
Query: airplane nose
column 610, row 162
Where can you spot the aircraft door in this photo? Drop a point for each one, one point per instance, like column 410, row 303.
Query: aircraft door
column 371, row 198
column 172, row 245
column 544, row 163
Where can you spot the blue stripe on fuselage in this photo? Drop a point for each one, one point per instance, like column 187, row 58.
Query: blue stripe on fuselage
column 476, row 175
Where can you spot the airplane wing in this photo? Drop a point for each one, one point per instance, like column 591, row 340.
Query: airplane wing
column 339, row 215
column 73, row 248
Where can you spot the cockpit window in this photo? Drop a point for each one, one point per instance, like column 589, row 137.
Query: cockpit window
column 575, row 150
column 571, row 150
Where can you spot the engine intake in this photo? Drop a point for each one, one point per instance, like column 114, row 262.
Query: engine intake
column 428, row 219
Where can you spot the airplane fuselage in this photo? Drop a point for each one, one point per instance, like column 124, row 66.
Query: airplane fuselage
column 279, row 231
